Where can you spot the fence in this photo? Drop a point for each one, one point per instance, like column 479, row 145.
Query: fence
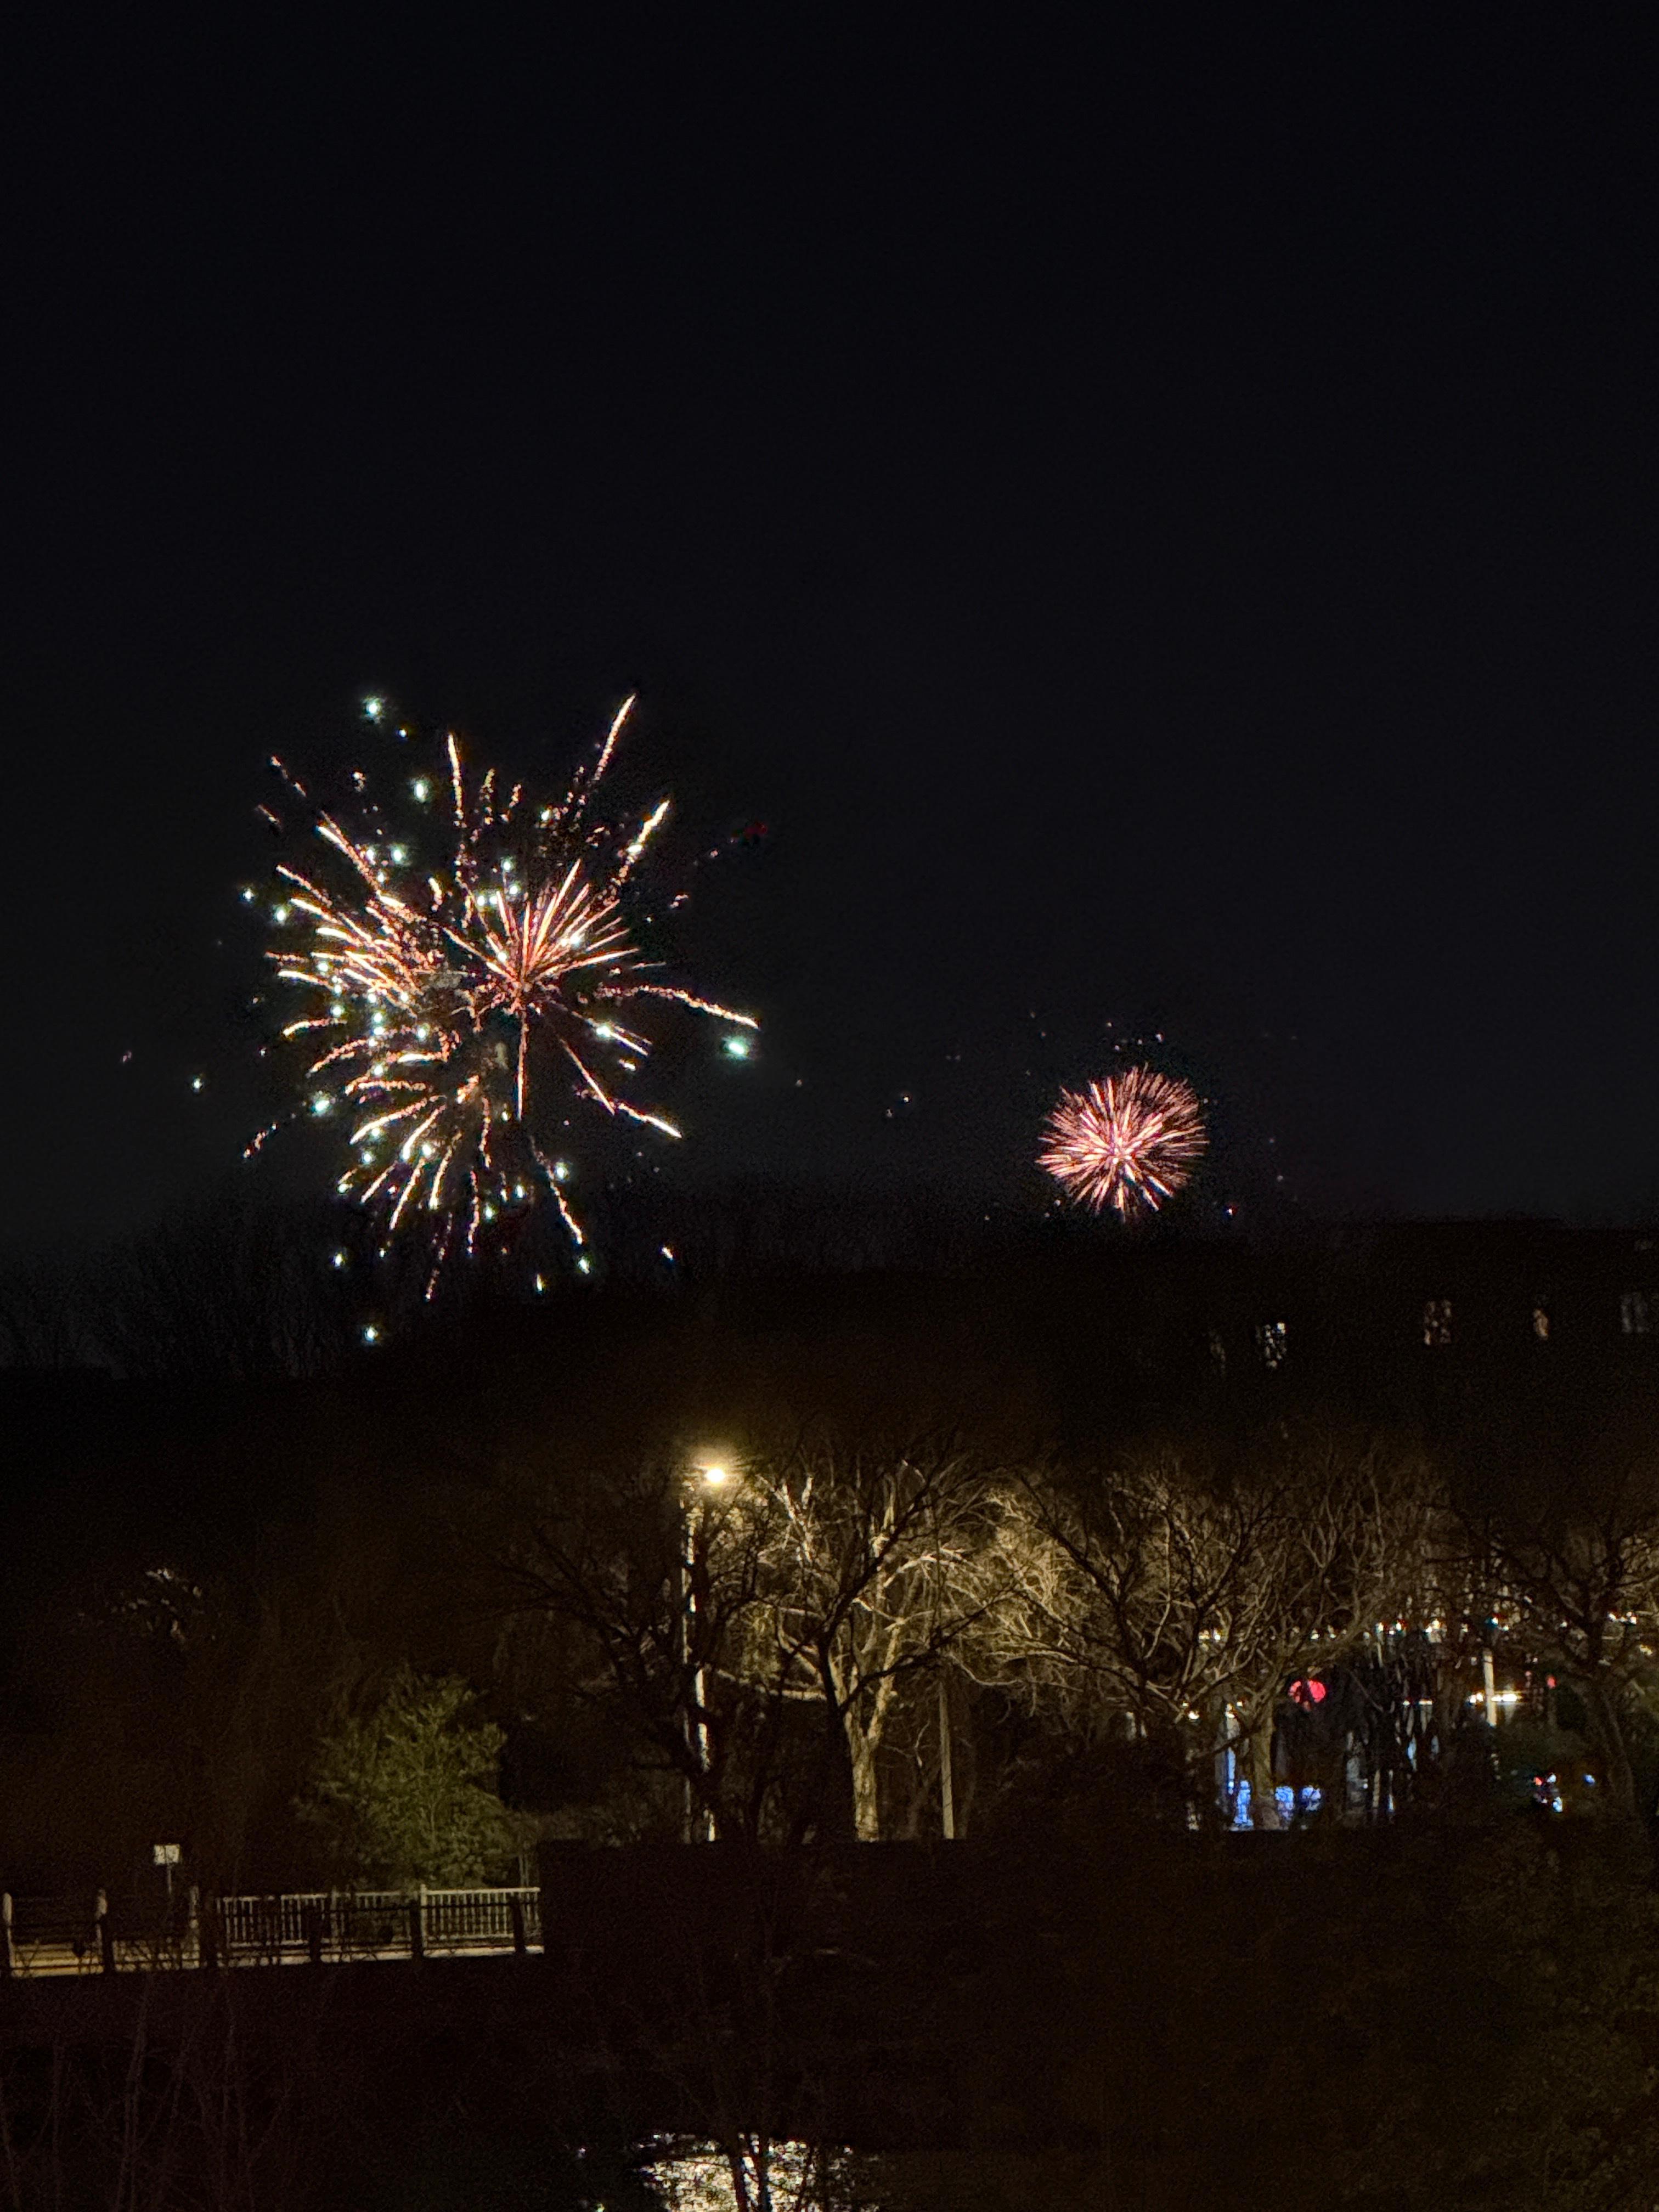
column 66, row 1936
column 371, row 1923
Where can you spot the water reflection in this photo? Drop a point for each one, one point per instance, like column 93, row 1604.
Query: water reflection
column 754, row 2176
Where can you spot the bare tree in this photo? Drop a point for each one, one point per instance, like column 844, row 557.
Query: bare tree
column 1176, row 1591
column 239, row 1290
column 656, row 1584
column 879, row 1561
column 1407, row 1686
column 43, row 1319
column 828, row 1577
column 1580, row 1571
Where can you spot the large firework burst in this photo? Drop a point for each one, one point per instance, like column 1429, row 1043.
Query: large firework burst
column 1129, row 1143
column 459, row 1002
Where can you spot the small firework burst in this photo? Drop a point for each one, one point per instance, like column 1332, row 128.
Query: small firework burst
column 460, row 994
column 1129, row 1142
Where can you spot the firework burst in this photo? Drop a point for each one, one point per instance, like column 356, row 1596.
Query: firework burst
column 455, row 1007
column 1130, row 1142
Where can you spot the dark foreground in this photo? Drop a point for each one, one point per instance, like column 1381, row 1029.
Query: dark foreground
column 1465, row 2015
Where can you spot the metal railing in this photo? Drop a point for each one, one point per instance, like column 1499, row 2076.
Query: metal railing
column 67, row 1935
column 49, row 1934
column 375, row 1923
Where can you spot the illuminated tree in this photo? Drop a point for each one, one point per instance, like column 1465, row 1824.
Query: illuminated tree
column 1408, row 1685
column 1177, row 1590
column 1581, row 1571
column 405, row 1793
column 762, row 1635
column 879, row 1561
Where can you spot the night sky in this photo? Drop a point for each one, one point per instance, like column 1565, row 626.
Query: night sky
column 1159, row 520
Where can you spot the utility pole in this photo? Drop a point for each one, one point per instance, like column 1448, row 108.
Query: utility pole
column 947, row 1802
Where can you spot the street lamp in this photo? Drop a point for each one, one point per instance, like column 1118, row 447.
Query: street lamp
column 708, row 1474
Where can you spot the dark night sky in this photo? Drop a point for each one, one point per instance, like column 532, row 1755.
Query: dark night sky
column 1161, row 525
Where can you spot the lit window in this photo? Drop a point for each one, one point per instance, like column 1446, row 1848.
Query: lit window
column 1540, row 1321
column 1271, row 1338
column 1437, row 1320
column 1633, row 1313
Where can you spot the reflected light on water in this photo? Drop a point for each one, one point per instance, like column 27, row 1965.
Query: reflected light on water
column 698, row 2178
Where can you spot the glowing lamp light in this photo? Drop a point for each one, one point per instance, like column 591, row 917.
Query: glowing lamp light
column 738, row 1046
column 373, row 708
column 714, row 1473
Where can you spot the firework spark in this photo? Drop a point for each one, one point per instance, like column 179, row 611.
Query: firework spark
column 455, row 1004
column 1129, row 1143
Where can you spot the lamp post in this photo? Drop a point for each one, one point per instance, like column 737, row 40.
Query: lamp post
column 699, row 1820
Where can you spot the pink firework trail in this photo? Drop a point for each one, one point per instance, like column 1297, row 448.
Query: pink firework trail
column 1130, row 1142
column 459, row 998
